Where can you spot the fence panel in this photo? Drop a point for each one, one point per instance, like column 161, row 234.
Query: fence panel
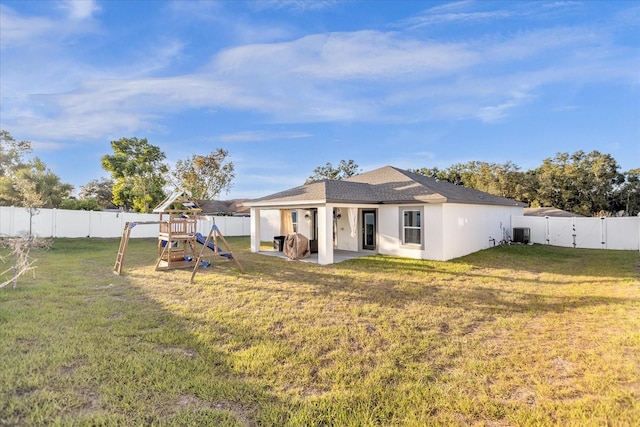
column 20, row 223
column 589, row 233
column 141, row 230
column 560, row 231
column 70, row 223
column 14, row 221
column 105, row 224
column 623, row 233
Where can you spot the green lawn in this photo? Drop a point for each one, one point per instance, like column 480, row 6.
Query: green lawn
column 516, row 335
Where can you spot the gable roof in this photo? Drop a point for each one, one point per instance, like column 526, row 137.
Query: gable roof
column 223, row 206
column 214, row 207
column 382, row 186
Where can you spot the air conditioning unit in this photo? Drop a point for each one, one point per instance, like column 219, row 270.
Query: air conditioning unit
column 521, row 235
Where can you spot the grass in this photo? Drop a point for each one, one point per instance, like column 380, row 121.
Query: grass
column 517, row 335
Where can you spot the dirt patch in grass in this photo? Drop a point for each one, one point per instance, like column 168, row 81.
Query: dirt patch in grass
column 188, row 353
column 91, row 401
column 243, row 413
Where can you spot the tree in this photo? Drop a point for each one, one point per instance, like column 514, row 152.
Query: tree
column 80, row 204
column 137, row 168
column 345, row 169
column 33, row 185
column 504, row 180
column 11, row 159
column 579, row 182
column 204, row 177
column 99, row 190
column 47, row 184
column 30, row 184
column 11, row 153
column 584, row 183
column 627, row 195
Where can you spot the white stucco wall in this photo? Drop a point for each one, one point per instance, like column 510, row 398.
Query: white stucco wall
column 390, row 229
column 269, row 224
column 345, row 241
column 448, row 230
column 304, row 224
column 470, row 228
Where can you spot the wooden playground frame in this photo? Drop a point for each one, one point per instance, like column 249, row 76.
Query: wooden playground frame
column 177, row 237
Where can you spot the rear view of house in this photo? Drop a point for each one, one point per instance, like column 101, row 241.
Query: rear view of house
column 388, row 211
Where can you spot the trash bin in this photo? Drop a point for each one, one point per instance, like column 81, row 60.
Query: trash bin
column 278, row 243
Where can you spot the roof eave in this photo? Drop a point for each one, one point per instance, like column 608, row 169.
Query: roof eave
column 276, row 203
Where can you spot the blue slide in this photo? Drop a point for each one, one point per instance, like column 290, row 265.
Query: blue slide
column 201, row 239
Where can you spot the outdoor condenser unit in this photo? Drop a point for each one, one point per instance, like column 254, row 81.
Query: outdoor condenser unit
column 521, row 235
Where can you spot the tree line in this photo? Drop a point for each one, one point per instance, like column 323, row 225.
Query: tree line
column 140, row 179
column 589, row 184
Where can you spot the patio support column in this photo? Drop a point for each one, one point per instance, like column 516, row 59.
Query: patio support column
column 255, row 230
column 325, row 235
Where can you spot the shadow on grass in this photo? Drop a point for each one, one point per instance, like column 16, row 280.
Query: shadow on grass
column 479, row 282
column 149, row 348
column 96, row 349
column 502, row 279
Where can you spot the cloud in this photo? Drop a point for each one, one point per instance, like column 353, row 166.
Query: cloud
column 342, row 77
column 369, row 55
column 561, row 4
column 16, row 30
column 453, row 13
column 495, row 113
column 255, row 136
column 294, row 5
column 79, row 10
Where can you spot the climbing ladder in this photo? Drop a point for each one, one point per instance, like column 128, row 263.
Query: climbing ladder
column 124, row 240
column 213, row 236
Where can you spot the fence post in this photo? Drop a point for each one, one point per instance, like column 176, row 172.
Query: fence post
column 547, row 230
column 54, row 225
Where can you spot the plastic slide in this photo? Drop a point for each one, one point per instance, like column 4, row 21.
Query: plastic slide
column 201, row 239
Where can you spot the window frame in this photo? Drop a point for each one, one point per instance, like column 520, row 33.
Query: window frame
column 294, row 220
column 404, row 227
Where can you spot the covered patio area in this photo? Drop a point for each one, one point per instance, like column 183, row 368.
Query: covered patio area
column 338, row 255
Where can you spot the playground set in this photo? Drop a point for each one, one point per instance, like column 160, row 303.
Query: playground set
column 178, row 236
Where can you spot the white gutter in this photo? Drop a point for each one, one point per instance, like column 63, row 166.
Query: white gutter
column 289, row 203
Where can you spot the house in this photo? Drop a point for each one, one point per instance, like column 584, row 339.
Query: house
column 223, row 207
column 550, row 211
column 389, row 211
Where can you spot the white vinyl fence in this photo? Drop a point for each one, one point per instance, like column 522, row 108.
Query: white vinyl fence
column 589, row 233
column 14, row 221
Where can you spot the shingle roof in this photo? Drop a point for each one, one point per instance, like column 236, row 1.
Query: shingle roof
column 550, row 211
column 385, row 185
column 213, row 206
column 223, row 206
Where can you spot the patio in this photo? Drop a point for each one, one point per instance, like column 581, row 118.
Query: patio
column 338, row 255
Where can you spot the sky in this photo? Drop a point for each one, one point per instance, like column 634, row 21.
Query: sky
column 288, row 85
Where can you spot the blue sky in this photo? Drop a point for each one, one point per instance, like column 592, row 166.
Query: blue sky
column 286, row 86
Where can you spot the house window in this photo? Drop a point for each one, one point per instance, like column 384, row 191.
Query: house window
column 294, row 220
column 411, row 227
